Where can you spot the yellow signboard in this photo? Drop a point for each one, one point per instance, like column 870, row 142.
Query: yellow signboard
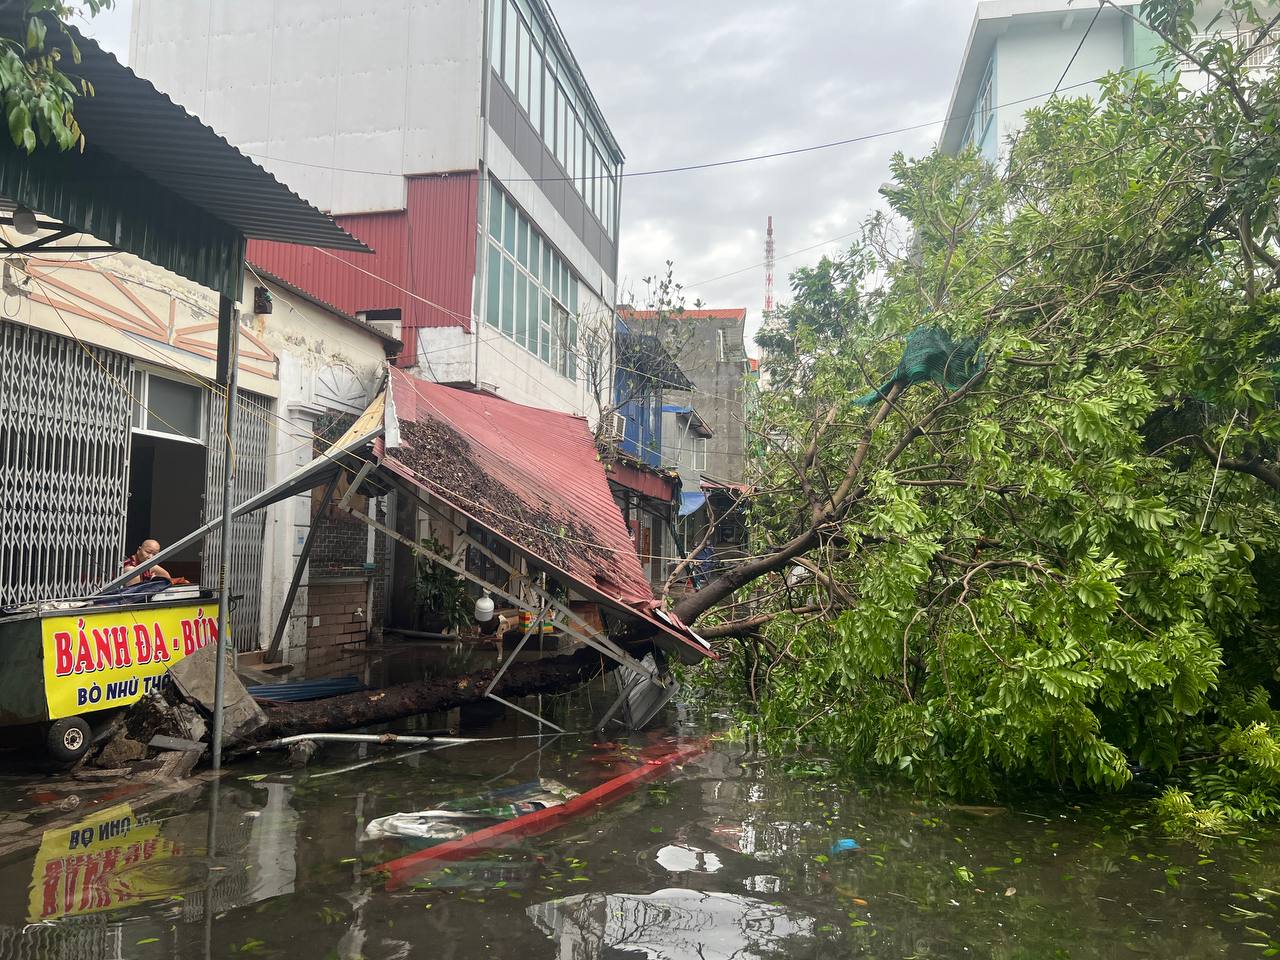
column 107, row 860
column 112, row 658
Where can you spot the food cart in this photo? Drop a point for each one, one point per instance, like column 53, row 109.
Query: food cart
column 66, row 667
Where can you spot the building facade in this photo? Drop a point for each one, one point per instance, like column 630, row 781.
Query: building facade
column 713, row 355
column 1016, row 54
column 113, row 436
column 1019, row 51
column 460, row 141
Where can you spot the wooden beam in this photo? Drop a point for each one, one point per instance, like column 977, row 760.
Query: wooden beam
column 273, row 651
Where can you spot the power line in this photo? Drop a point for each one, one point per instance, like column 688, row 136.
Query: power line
column 713, row 164
column 1079, row 47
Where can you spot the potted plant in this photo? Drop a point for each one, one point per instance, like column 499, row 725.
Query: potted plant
column 443, row 602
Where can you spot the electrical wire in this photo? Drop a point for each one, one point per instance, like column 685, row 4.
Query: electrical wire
column 1080, row 46
column 453, row 497
column 735, row 161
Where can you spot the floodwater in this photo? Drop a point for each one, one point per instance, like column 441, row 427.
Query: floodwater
column 729, row 855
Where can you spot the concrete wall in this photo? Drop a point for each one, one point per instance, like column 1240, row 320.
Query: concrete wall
column 391, row 86
column 328, row 367
column 1032, row 54
column 719, row 389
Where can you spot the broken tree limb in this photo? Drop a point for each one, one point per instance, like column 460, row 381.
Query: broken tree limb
column 552, row 675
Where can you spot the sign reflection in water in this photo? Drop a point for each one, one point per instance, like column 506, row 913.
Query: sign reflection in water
column 666, row 925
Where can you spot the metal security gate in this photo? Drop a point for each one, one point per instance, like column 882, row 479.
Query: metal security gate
column 252, row 444
column 64, row 465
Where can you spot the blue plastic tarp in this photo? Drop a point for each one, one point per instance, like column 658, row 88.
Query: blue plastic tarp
column 691, row 501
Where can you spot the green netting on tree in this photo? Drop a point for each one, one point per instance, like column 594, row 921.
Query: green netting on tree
column 931, row 354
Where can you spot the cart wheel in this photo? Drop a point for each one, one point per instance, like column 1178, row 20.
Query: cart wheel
column 68, row 739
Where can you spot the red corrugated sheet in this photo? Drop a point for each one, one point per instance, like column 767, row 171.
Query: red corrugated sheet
column 644, row 482
column 426, row 252
column 548, row 460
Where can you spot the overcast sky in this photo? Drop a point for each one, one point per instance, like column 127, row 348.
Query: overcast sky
column 693, row 81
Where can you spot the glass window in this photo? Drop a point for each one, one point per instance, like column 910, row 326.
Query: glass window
column 986, row 105
column 496, row 201
column 535, row 252
column 174, row 407
column 562, row 129
column 535, row 88
column 495, row 37
column 509, row 215
column 575, row 160
column 509, row 46
column 522, row 306
column 535, row 298
column 572, row 302
column 699, row 453
column 595, row 183
column 544, row 330
column 508, row 289
column 139, row 391
column 546, row 264
column 549, row 113
column 571, row 351
column 522, row 242
column 493, row 308
column 522, row 64
column 560, row 334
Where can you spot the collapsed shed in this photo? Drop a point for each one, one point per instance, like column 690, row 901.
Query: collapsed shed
column 517, row 504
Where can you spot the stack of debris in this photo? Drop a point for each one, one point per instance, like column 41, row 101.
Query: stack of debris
column 164, row 735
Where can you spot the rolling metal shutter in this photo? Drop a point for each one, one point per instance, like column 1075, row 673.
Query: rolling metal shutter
column 64, row 465
column 251, row 441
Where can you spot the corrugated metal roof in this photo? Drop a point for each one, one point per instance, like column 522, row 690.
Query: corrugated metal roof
column 153, row 179
column 426, row 252
column 533, row 477
column 546, row 466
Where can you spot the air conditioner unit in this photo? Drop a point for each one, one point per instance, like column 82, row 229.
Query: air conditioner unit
column 388, row 328
column 619, row 426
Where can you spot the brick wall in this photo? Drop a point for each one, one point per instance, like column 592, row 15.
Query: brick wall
column 333, row 645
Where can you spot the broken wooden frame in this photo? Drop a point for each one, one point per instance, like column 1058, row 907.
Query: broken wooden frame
column 566, row 620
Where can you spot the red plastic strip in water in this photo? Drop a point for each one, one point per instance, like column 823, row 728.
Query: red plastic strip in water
column 406, row 868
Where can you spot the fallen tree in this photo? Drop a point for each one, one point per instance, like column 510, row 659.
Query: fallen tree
column 434, row 694
column 1016, row 511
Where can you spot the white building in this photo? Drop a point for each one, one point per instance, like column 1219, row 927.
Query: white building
column 1016, row 56
column 1020, row 51
column 460, row 140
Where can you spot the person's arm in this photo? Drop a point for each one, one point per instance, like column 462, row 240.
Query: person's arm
column 130, row 582
column 160, row 572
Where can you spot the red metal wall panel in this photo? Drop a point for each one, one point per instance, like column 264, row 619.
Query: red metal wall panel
column 426, row 252
column 442, row 247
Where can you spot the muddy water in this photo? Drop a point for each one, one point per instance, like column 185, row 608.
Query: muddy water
column 729, row 856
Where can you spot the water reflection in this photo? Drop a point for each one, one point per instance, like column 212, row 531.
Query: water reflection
column 671, row 924
column 682, row 858
column 726, row 858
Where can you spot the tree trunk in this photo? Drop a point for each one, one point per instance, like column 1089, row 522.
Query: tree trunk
column 694, row 605
column 554, row 674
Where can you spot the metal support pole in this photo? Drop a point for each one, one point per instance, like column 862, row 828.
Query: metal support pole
column 273, row 651
column 228, row 353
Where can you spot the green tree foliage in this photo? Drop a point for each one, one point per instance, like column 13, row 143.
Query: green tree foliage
column 1065, row 569
column 38, row 93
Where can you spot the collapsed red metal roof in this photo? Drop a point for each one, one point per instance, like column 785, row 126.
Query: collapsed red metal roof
column 532, row 476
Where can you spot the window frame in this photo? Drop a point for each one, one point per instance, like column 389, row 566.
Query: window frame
column 141, row 389
column 699, row 453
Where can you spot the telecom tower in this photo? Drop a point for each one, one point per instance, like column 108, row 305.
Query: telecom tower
column 768, row 273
